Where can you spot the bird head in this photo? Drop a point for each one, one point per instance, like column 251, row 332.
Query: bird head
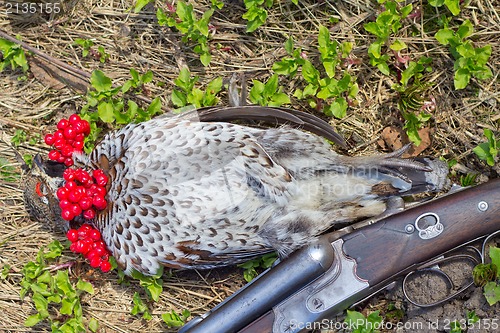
column 41, row 182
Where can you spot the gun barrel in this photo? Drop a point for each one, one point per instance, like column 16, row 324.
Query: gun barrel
column 267, row 290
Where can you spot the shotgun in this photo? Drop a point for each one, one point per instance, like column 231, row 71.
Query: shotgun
column 346, row 266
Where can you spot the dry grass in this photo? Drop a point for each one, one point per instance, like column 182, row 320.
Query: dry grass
column 136, row 41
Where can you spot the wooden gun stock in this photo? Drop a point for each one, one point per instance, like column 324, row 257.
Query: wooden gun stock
column 385, row 248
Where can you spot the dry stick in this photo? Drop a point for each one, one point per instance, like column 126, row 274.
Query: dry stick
column 62, row 65
column 48, row 58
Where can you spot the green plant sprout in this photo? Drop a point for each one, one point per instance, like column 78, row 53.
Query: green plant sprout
column 173, row 319
column 256, row 13
column 452, row 5
column 111, row 106
column 250, row 267
column 13, row 55
column 470, row 61
column 186, row 94
column 269, row 93
column 87, row 44
column 486, row 276
column 194, row 30
column 387, row 23
column 488, row 151
column 361, row 324
column 56, row 298
column 327, row 93
column 140, row 307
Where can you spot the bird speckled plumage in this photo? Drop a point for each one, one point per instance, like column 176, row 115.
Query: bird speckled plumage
column 185, row 193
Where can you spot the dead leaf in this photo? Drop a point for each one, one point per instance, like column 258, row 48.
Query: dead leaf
column 394, row 138
column 54, row 77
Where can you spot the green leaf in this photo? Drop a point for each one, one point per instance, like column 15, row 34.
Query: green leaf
column 154, row 107
column 492, row 293
column 67, row 305
column 310, row 73
column 179, row 99
column 384, row 68
column 453, row 6
column 55, row 250
column 339, row 107
column 172, row 319
column 205, row 58
column 444, row 36
column 85, row 286
column 436, row 3
column 462, row 78
column 375, row 49
column 482, row 55
column 93, row 325
column 289, row 45
column 373, row 28
column 279, row 99
column 483, row 153
column 406, row 10
column 465, row 30
column 41, row 304
column 106, row 112
column 33, row 320
column 100, row 81
column 140, row 4
column 398, row 45
column 256, row 93
column 495, row 257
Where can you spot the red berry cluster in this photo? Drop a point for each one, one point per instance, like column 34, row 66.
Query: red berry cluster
column 87, row 241
column 67, row 139
column 82, row 193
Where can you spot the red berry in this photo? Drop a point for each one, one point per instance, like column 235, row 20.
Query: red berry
column 61, row 159
column 54, row 155
column 86, row 127
column 76, row 194
column 75, row 209
column 74, row 118
column 78, row 145
column 85, row 203
column 85, row 228
column 49, row 139
column 80, row 137
column 66, row 150
column 67, row 215
column 68, row 161
column 99, row 191
column 64, row 204
column 99, row 244
column 91, row 254
column 84, row 177
column 105, row 266
column 62, row 193
column 95, row 262
column 72, row 235
column 69, row 174
column 95, row 234
column 83, row 246
column 99, row 202
column 69, row 132
column 60, row 143
column 58, row 135
column 62, row 124
column 71, row 185
column 89, row 214
column 73, row 247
